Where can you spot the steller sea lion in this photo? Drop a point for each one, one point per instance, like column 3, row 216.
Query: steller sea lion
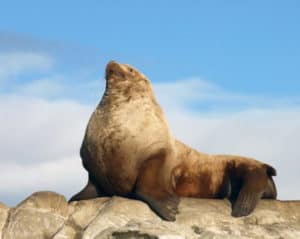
column 243, row 180
column 128, row 149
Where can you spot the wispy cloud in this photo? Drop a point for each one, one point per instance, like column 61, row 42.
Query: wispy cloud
column 198, row 94
column 39, row 146
column 57, row 87
column 45, row 130
column 15, row 63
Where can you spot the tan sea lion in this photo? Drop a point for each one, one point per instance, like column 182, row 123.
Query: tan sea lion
column 243, row 180
column 128, row 149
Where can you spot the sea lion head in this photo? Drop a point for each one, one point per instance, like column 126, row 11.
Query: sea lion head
column 125, row 80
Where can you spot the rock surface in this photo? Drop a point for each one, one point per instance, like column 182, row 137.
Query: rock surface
column 48, row 215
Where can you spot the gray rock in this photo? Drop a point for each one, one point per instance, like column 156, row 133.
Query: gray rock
column 48, row 215
column 82, row 214
column 39, row 216
column 3, row 217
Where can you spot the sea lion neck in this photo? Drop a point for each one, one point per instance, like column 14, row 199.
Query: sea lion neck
column 126, row 95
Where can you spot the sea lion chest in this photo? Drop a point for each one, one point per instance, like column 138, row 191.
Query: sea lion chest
column 119, row 137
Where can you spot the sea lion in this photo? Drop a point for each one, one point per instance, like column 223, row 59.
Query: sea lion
column 128, row 149
column 243, row 180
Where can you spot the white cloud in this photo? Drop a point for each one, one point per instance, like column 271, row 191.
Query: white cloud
column 40, row 139
column 45, row 87
column 14, row 63
column 61, row 174
column 39, row 146
column 199, row 91
column 194, row 89
column 45, row 130
column 57, row 87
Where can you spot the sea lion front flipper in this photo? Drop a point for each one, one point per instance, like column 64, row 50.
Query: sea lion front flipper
column 152, row 187
column 166, row 208
column 88, row 192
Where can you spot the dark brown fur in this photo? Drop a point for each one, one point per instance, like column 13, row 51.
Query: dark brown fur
column 243, row 180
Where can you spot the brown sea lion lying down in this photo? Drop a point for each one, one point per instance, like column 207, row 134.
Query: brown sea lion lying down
column 128, row 150
column 243, row 180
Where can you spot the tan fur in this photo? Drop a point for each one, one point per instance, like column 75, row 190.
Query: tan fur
column 128, row 145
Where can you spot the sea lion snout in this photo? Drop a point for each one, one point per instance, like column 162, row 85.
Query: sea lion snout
column 112, row 64
column 114, row 68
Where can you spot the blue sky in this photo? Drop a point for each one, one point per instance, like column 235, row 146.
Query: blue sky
column 250, row 46
column 226, row 73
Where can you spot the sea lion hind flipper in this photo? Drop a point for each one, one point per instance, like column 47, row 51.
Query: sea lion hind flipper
column 270, row 191
column 88, row 192
column 270, row 170
column 166, row 208
column 245, row 203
